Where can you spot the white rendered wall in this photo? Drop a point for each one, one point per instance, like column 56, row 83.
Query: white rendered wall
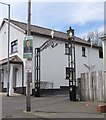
column 91, row 59
column 53, row 60
column 5, row 79
column 3, row 41
column 104, row 68
column 19, row 76
column 104, row 54
column 15, row 34
column 53, row 63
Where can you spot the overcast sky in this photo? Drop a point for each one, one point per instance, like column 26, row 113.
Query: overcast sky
column 83, row 17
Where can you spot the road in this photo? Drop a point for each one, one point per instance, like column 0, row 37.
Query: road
column 48, row 107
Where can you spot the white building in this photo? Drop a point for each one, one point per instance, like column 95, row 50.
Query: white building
column 53, row 60
column 104, row 66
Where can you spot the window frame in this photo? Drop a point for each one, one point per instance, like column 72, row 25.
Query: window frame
column 14, row 43
column 101, row 53
column 67, row 49
column 83, row 52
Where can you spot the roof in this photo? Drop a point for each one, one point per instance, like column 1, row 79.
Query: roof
column 14, row 59
column 37, row 30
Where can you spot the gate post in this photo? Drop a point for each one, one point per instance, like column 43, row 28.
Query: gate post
column 37, row 72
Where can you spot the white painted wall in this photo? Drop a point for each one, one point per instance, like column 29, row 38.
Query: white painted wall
column 53, row 61
column 53, row 65
column 104, row 68
column 5, row 79
column 104, row 54
column 15, row 34
column 91, row 59
column 19, row 76
column 3, row 41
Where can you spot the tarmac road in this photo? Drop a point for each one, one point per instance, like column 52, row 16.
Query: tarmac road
column 48, row 107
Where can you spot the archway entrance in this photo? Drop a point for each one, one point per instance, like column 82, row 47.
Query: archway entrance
column 38, row 83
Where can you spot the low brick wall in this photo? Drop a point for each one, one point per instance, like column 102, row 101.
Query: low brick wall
column 101, row 108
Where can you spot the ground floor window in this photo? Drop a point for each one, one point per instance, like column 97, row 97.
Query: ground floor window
column 1, row 75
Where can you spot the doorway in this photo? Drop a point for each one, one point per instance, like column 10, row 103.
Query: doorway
column 15, row 70
column 1, row 79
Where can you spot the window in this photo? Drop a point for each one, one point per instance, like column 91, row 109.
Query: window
column 14, row 46
column 83, row 52
column 67, row 49
column 100, row 53
column 1, row 75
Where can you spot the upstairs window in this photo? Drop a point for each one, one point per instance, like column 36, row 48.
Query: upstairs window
column 67, row 49
column 83, row 52
column 14, row 46
column 100, row 53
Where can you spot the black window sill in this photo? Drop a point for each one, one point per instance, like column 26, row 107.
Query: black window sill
column 84, row 56
column 67, row 53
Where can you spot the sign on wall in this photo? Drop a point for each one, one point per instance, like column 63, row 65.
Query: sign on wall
column 28, row 66
column 28, row 47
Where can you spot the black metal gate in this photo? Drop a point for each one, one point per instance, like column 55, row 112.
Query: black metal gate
column 37, row 72
column 48, row 43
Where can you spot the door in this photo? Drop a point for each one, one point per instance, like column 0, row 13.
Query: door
column 1, row 79
column 15, row 78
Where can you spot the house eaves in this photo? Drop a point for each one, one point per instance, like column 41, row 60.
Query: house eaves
column 6, row 20
column 45, row 32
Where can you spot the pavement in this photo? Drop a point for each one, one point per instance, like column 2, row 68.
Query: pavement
column 48, row 107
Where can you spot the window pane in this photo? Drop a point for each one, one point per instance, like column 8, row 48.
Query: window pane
column 14, row 46
column 67, row 49
column 101, row 53
column 83, row 51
